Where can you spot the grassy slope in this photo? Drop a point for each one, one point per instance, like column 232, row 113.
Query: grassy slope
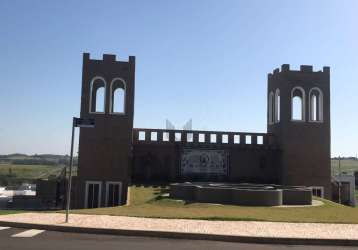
column 346, row 166
column 150, row 202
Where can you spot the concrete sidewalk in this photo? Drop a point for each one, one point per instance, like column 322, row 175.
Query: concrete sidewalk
column 272, row 232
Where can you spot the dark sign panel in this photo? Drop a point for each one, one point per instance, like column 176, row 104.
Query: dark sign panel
column 83, row 122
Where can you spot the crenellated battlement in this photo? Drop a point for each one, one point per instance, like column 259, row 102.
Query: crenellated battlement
column 199, row 137
column 303, row 69
column 106, row 58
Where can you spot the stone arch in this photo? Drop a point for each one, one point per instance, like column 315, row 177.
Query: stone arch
column 315, row 105
column 97, row 85
column 118, row 92
column 298, row 104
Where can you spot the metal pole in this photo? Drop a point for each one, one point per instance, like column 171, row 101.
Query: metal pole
column 70, row 174
column 339, row 165
column 339, row 181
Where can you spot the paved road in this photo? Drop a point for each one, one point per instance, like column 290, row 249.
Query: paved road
column 19, row 239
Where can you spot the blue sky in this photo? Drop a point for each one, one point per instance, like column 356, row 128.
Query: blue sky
column 205, row 60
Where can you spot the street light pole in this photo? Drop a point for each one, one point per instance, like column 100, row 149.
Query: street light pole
column 68, row 200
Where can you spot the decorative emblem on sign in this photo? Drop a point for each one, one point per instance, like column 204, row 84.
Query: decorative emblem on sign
column 204, row 162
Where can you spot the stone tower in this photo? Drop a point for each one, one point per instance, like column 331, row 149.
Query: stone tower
column 299, row 117
column 105, row 151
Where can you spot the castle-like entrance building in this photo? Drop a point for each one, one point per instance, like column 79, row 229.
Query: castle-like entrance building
column 294, row 151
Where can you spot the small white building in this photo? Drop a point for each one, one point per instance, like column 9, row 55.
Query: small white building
column 347, row 188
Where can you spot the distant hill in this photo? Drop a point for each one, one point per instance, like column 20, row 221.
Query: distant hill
column 346, row 158
column 36, row 159
column 13, row 156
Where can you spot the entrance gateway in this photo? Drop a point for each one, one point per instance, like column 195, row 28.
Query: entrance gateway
column 114, row 152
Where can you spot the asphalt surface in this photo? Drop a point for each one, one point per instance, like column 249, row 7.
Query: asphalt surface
column 16, row 239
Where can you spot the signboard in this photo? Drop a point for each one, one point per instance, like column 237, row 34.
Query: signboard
column 83, row 122
column 204, row 162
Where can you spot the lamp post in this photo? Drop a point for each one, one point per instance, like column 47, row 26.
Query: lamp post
column 81, row 123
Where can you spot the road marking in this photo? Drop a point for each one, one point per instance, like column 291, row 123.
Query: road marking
column 3, row 228
column 28, row 233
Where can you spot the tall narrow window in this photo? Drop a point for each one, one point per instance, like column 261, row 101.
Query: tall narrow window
column 118, row 101
column 277, row 105
column 100, row 95
column 316, row 105
column 118, row 96
column 97, row 95
column 271, row 108
column 298, row 104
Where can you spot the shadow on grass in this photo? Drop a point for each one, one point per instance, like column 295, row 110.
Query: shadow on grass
column 161, row 193
column 163, row 196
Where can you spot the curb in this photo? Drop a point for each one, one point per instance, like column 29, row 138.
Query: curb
column 181, row 235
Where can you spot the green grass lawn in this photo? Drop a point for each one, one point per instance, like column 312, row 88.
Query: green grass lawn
column 5, row 212
column 154, row 202
column 29, row 171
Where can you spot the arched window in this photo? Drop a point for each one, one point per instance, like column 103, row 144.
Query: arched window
column 277, row 105
column 118, row 96
column 100, row 96
column 271, row 102
column 97, row 95
column 316, row 105
column 298, row 104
